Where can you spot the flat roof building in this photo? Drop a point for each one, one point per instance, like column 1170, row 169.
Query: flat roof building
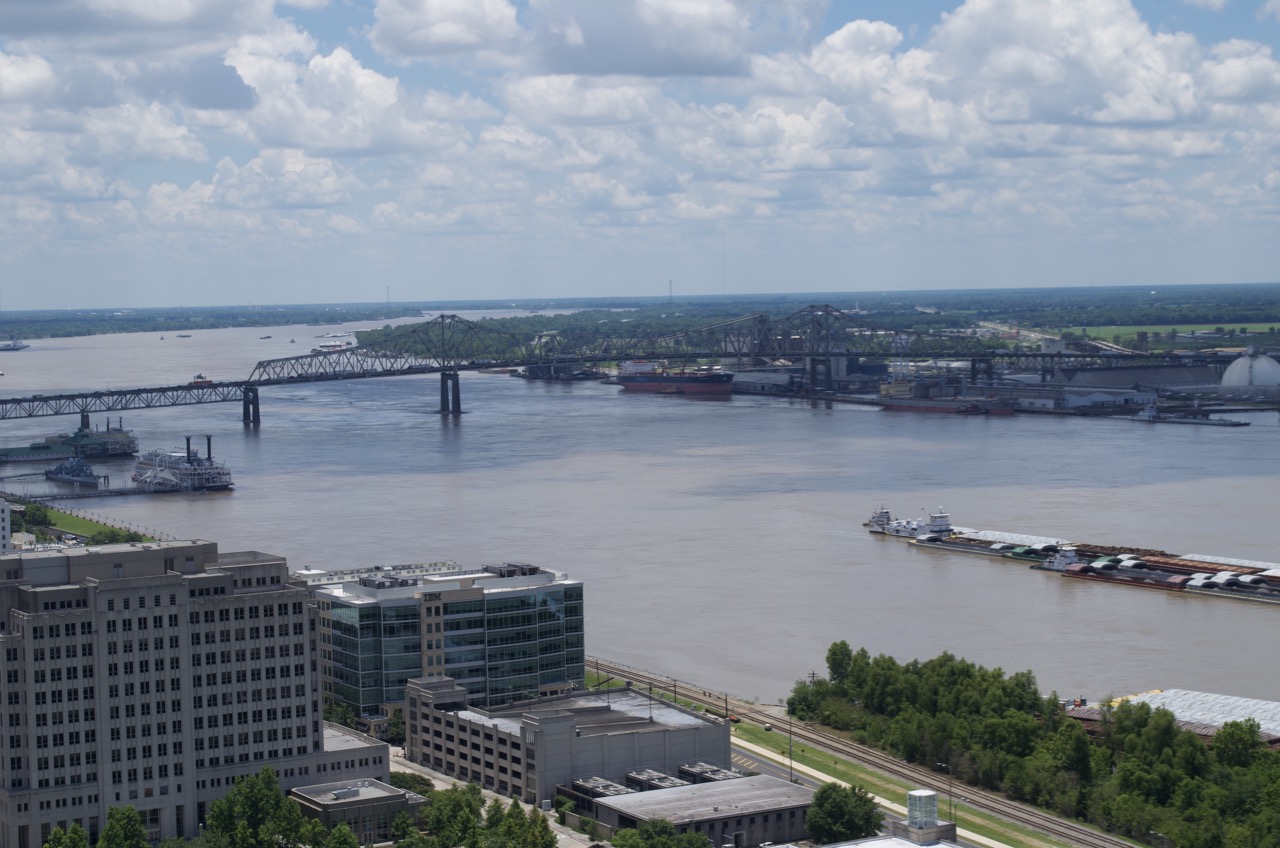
column 606, row 734
column 156, row 674
column 366, row 806
column 746, row 811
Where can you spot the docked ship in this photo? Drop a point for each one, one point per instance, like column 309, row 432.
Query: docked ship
column 74, row 470
column 181, row 470
column 332, row 347
column 657, row 378
column 88, row 443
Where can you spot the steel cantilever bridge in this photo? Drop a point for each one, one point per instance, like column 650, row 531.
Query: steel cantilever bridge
column 823, row 338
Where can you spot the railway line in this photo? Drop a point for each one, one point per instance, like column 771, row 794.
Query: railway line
column 1069, row 832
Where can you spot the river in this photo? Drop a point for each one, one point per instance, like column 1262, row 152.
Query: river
column 720, row 542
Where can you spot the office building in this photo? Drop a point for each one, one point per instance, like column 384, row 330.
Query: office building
column 155, row 675
column 502, row 632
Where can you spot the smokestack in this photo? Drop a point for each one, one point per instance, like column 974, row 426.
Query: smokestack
column 188, row 450
column 208, row 445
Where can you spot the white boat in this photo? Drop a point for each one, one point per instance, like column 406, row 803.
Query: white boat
column 181, row 470
column 331, row 347
column 938, row 524
column 13, row 344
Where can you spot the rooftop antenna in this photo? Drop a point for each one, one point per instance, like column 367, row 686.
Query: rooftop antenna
column 670, row 295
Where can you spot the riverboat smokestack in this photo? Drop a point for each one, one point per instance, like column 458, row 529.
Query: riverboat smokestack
column 188, row 449
column 208, row 446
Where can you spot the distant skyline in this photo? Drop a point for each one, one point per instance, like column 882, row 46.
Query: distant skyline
column 205, row 152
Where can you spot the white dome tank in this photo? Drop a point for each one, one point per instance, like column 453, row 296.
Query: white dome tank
column 1256, row 369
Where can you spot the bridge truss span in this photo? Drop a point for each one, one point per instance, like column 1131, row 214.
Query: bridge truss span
column 39, row 406
column 339, row 365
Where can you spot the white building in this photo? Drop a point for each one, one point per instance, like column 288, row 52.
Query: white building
column 156, row 675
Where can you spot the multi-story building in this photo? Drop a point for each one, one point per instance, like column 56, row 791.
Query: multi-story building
column 503, row 632
column 530, row 750
column 156, row 675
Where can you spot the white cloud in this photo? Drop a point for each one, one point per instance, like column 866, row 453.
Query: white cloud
column 436, row 27
column 568, row 121
column 1213, row 5
column 1270, row 9
column 565, row 97
column 283, row 178
column 329, row 103
column 24, row 77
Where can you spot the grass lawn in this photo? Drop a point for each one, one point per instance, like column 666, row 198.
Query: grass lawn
column 68, row 523
column 894, row 790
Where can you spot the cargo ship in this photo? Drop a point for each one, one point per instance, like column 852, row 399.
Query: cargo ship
column 181, row 470
column 657, row 378
column 1196, row 574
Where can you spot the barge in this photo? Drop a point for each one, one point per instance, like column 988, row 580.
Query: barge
column 1194, row 574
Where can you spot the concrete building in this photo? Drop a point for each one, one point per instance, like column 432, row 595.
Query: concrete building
column 156, row 675
column 606, row 734
column 368, row 807
column 745, row 812
column 503, row 632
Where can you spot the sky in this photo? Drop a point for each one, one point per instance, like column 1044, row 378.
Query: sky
column 214, row 152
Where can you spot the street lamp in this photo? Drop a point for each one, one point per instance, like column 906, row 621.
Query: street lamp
column 951, row 798
column 791, row 773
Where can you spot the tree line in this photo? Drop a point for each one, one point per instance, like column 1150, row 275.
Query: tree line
column 1140, row 775
column 256, row 813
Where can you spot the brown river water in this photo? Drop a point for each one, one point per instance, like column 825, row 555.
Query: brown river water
column 720, row 542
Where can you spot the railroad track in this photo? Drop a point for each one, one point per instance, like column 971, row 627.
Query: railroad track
column 1070, row 832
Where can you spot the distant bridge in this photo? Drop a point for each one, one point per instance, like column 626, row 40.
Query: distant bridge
column 823, row 339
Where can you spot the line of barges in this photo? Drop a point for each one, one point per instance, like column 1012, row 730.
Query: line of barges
column 1197, row 574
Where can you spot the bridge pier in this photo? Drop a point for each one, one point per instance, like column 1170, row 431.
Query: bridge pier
column 450, row 393
column 251, row 411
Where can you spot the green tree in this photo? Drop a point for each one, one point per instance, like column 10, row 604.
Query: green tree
column 658, row 833
column 73, row 837
column 839, row 662
column 338, row 712
column 1237, row 743
column 538, row 832
column 413, row 783
column 453, row 818
column 341, row 837
column 123, row 829
column 395, row 728
column 840, row 813
column 403, row 826
column 254, row 812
